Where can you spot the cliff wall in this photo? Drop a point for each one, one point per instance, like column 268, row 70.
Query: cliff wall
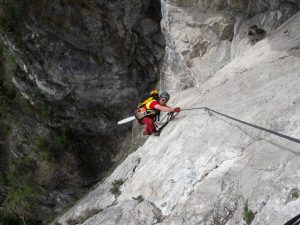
column 203, row 36
column 207, row 169
column 70, row 70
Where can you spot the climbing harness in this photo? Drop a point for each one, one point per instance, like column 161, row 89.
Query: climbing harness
column 160, row 125
column 143, row 108
column 209, row 111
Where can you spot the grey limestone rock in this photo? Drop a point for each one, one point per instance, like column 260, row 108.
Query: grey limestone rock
column 86, row 63
column 88, row 55
column 204, row 168
column 206, row 35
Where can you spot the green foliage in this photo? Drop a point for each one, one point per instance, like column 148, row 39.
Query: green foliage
column 17, row 197
column 115, row 189
column 7, row 89
column 11, row 16
column 91, row 212
column 139, row 198
column 25, row 105
column 19, row 176
column 85, row 216
column 60, row 142
column 294, row 193
column 43, row 146
column 53, row 146
column 44, row 111
column 20, row 168
column 72, row 222
column 85, row 5
column 248, row 215
column 12, row 103
column 8, row 219
column 18, row 201
column 3, row 180
column 9, row 62
column 8, row 68
column 21, row 193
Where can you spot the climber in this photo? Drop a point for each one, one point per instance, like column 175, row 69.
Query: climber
column 149, row 110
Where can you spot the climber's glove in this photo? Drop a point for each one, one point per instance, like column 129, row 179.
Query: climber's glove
column 177, row 109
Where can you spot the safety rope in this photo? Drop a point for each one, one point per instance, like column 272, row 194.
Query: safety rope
column 294, row 221
column 160, row 121
column 193, row 108
column 246, row 123
column 169, row 117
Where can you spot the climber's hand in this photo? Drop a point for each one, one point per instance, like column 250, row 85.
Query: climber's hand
column 177, row 110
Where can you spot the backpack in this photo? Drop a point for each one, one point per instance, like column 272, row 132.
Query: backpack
column 141, row 112
column 148, row 97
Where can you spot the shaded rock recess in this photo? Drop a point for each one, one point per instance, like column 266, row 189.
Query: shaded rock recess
column 69, row 71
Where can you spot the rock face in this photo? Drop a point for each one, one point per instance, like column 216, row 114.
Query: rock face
column 203, row 36
column 87, row 57
column 209, row 169
column 81, row 66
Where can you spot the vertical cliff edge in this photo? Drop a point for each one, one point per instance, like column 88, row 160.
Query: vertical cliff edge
column 203, row 36
column 240, row 58
column 207, row 169
column 70, row 70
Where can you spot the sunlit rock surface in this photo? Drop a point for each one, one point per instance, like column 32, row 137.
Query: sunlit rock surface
column 203, row 169
column 203, row 36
